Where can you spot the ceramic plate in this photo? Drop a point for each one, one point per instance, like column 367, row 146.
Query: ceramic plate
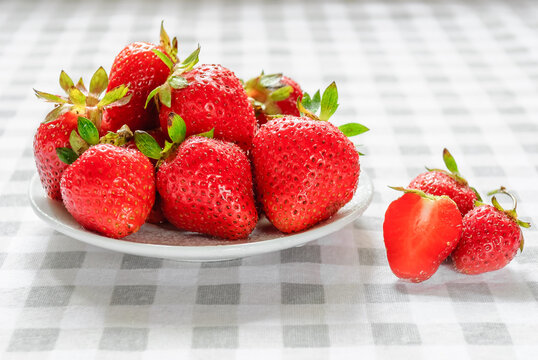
column 169, row 243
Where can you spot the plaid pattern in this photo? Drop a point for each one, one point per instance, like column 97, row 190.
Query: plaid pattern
column 422, row 74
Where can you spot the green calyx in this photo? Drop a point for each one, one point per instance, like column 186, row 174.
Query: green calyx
column 82, row 101
column 170, row 47
column 454, row 172
column 265, row 91
column 327, row 105
column 86, row 136
column 177, row 130
column 163, row 93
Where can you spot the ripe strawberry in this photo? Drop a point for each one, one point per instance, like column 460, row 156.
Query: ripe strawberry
column 205, row 184
column 490, row 239
column 420, row 231
column 207, row 97
column 109, row 189
column 139, row 64
column 305, row 169
column 449, row 183
column 56, row 130
column 272, row 95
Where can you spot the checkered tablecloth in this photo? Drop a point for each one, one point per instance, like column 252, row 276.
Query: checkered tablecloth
column 422, row 75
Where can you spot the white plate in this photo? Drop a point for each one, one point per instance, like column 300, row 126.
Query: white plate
column 169, row 243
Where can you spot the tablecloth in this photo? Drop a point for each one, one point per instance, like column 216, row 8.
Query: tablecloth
column 423, row 75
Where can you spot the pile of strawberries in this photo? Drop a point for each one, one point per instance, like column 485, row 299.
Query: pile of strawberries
column 171, row 140
column 441, row 216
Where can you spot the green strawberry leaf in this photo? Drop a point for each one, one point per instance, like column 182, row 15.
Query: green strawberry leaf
column 311, row 104
column 177, row 130
column 77, row 143
column 165, row 94
column 177, row 82
column 66, row 155
column 450, row 162
column 147, row 145
column 119, row 138
column 167, row 147
column 80, row 85
column 304, row 111
column 56, row 113
column 50, row 97
column 170, row 48
column 478, row 197
column 353, row 129
column 65, row 82
column 496, row 204
column 208, row 134
column 165, row 39
column 99, row 82
column 281, row 94
column 77, row 97
column 113, row 95
column 88, row 131
column 164, row 58
column 270, row 80
column 152, row 95
column 120, row 102
column 329, row 102
column 523, row 224
column 188, row 63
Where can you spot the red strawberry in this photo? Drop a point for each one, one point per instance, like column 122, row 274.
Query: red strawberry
column 109, row 189
column 272, row 95
column 420, row 231
column 205, row 184
column 207, row 97
column 490, row 239
column 56, row 130
column 49, row 136
column 452, row 184
column 305, row 169
column 139, row 64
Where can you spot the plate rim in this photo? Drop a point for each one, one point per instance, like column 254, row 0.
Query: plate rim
column 192, row 253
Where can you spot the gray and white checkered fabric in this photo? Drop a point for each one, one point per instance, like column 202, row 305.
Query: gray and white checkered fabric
column 421, row 74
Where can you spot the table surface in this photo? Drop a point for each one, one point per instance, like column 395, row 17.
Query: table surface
column 422, row 75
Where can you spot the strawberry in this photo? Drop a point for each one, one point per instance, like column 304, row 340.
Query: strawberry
column 420, row 231
column 305, row 169
column 107, row 189
column 490, row 239
column 139, row 64
column 56, row 130
column 205, row 184
column 207, row 97
column 449, row 183
column 272, row 95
